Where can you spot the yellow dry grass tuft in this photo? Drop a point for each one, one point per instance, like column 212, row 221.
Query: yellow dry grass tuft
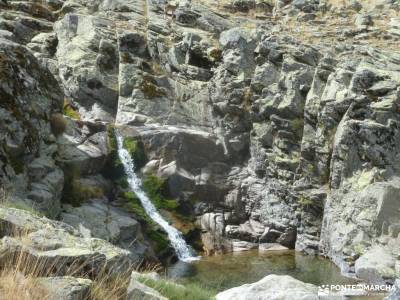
column 20, row 270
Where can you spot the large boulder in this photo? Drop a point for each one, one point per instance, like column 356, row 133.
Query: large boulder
column 65, row 288
column 377, row 265
column 83, row 148
column 272, row 287
column 57, row 247
column 106, row 222
column 356, row 221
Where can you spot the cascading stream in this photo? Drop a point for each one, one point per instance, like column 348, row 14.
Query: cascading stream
column 182, row 250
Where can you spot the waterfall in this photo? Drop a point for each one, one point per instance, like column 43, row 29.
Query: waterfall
column 182, row 250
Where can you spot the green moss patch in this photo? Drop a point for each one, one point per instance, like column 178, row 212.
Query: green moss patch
column 160, row 241
column 136, row 150
column 114, row 168
column 155, row 188
column 174, row 291
column 136, row 207
column 158, row 238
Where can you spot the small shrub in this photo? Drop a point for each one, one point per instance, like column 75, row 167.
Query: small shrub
column 19, row 276
column 297, row 126
column 122, row 183
column 76, row 193
column 58, row 124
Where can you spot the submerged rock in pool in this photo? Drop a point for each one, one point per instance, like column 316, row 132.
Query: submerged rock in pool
column 272, row 287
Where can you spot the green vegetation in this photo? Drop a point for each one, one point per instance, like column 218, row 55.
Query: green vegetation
column 155, row 189
column 7, row 201
column 174, row 291
column 136, row 207
column 114, row 168
column 69, row 111
column 159, row 239
column 121, row 182
column 136, row 150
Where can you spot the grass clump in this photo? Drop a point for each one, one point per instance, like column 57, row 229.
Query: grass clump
column 22, row 275
column 136, row 207
column 155, row 188
column 15, row 286
column 175, row 291
column 136, row 150
column 159, row 239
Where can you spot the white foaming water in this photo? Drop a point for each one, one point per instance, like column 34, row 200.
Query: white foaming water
column 182, row 250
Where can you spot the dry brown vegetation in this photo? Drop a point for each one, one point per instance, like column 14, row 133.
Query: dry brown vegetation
column 327, row 28
column 19, row 273
column 19, row 280
column 58, row 124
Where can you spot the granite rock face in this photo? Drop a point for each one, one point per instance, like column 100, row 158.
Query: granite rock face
column 271, row 122
column 57, row 247
column 272, row 287
column 66, row 288
column 30, row 98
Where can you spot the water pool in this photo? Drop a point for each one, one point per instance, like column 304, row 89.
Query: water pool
column 225, row 271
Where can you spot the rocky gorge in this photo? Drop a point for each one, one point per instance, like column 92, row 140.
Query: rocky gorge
column 254, row 125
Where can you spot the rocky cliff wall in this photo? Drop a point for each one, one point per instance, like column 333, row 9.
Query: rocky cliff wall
column 268, row 121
